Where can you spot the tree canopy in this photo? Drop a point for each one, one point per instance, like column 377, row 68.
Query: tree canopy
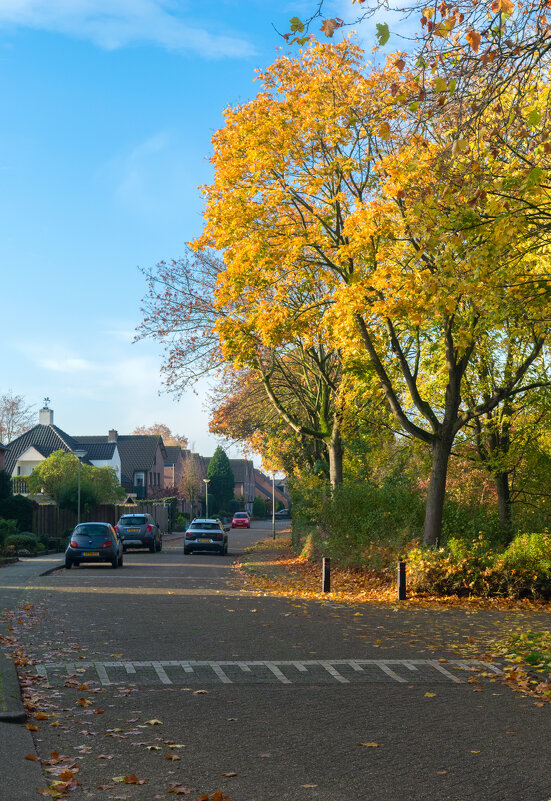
column 221, row 478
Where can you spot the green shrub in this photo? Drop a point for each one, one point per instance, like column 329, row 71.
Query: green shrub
column 522, row 570
column 19, row 508
column 7, row 528
column 22, row 541
column 259, row 507
column 5, row 484
column 359, row 523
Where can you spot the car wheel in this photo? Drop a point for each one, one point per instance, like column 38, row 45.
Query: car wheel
column 124, row 550
column 152, row 548
column 68, row 564
column 76, row 563
column 186, row 551
column 120, row 560
column 115, row 563
column 160, row 548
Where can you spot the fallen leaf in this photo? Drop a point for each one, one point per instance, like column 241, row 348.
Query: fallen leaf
column 368, row 745
column 154, row 722
column 430, row 695
column 474, row 752
column 154, row 748
column 32, row 758
column 229, row 774
column 84, row 702
column 441, row 772
column 31, row 727
column 173, row 757
column 308, row 785
column 200, row 692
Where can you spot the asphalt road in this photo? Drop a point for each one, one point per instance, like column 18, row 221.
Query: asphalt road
column 194, row 687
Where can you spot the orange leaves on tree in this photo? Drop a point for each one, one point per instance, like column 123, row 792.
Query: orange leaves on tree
column 474, row 39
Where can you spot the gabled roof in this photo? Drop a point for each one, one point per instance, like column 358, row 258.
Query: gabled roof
column 99, row 451
column 242, row 470
column 173, row 453
column 137, row 452
column 45, row 439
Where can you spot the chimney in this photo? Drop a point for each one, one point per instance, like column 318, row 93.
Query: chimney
column 46, row 416
column 113, row 435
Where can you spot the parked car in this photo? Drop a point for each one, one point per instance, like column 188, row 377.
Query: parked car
column 139, row 531
column 241, row 519
column 205, row 534
column 283, row 513
column 94, row 542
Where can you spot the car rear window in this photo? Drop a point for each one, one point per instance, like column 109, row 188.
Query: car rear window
column 203, row 526
column 91, row 530
column 241, row 514
column 133, row 521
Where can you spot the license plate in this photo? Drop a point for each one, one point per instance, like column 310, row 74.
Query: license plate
column 204, row 540
column 133, row 530
column 90, row 553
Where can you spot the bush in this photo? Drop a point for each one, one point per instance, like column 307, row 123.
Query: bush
column 67, row 497
column 5, row 484
column 7, row 528
column 25, row 541
column 259, row 507
column 360, row 523
column 19, row 508
column 522, row 570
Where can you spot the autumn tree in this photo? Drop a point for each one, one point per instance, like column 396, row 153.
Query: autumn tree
column 315, row 177
column 190, row 486
column 16, row 416
column 203, row 332
column 162, row 430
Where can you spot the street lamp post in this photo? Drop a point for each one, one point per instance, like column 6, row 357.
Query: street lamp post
column 80, row 455
column 273, row 505
column 207, row 481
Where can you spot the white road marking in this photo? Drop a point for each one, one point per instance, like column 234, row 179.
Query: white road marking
column 108, row 673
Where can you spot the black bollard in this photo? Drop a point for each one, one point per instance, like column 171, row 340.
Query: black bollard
column 401, row 581
column 326, row 574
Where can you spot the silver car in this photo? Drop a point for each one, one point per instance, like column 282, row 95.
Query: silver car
column 139, row 531
column 206, row 534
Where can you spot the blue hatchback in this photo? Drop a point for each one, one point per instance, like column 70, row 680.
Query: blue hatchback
column 94, row 542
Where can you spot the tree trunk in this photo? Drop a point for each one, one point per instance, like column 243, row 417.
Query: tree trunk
column 504, row 502
column 441, row 450
column 335, row 448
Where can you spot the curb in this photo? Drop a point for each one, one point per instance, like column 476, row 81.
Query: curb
column 11, row 703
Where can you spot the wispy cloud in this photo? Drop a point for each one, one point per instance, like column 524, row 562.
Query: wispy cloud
column 112, row 24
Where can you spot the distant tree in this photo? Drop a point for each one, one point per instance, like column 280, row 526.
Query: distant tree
column 221, row 478
column 5, row 484
column 190, row 485
column 162, row 430
column 16, row 416
column 60, row 469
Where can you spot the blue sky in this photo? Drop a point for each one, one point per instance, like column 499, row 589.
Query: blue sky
column 108, row 111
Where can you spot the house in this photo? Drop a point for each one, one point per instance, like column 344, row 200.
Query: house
column 243, row 473
column 142, row 458
column 264, row 488
column 174, row 465
column 25, row 452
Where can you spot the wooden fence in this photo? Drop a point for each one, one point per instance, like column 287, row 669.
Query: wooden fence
column 54, row 522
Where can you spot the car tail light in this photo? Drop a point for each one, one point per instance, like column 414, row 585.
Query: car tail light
column 150, row 527
column 74, row 544
column 217, row 536
column 117, row 529
column 189, row 535
column 107, row 544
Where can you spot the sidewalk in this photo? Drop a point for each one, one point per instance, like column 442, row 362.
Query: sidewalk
column 20, row 777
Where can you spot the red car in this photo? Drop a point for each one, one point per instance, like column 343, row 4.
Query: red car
column 241, row 519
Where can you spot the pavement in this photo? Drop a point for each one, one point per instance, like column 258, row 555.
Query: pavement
column 20, row 776
column 293, row 725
